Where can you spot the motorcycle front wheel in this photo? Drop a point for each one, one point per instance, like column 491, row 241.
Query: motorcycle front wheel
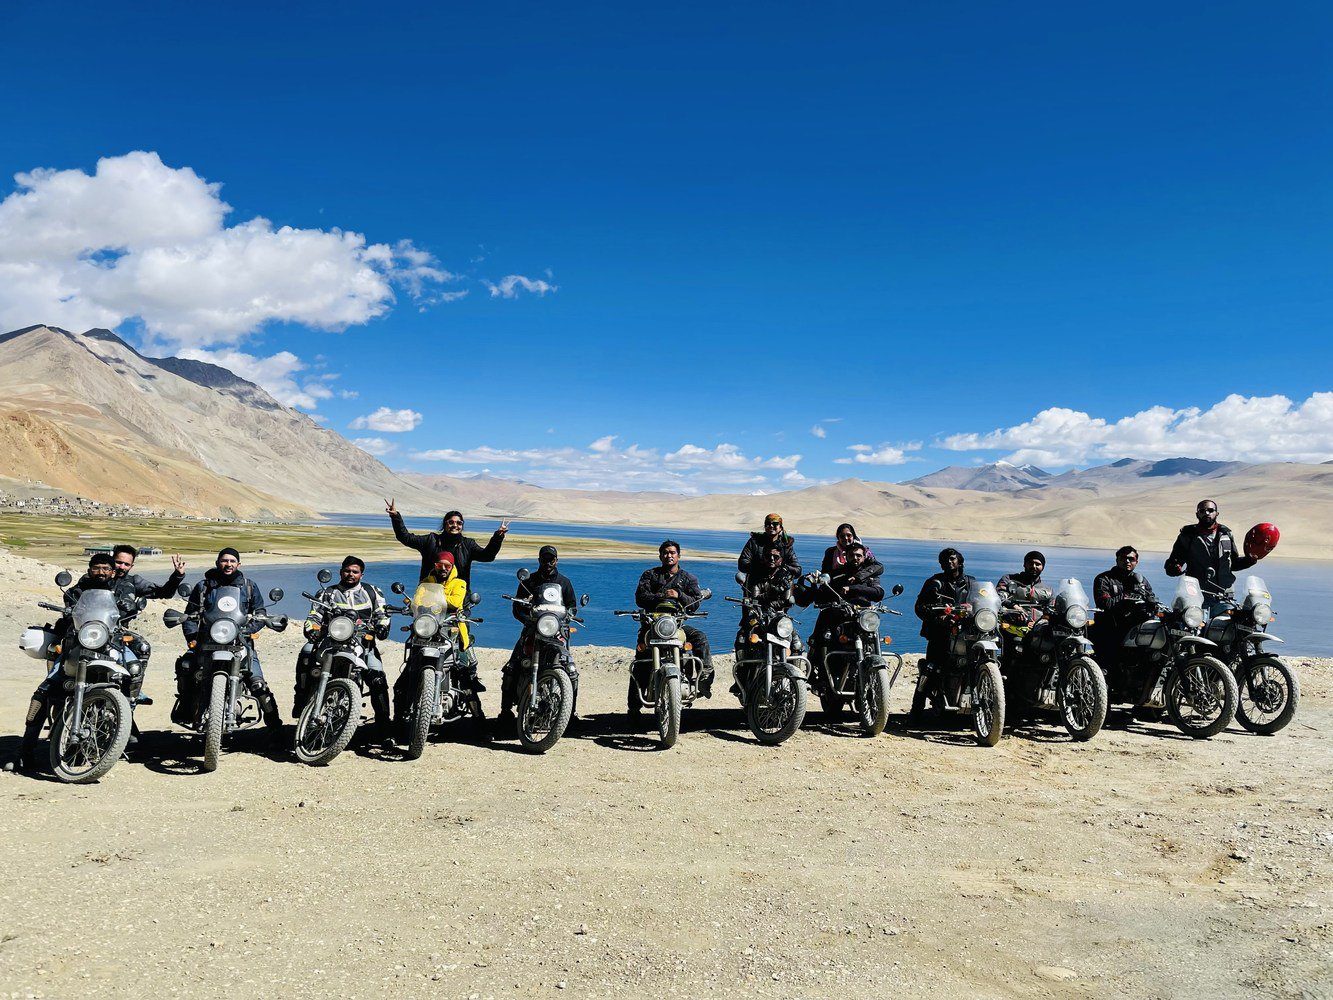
column 419, row 726
column 872, row 702
column 1201, row 697
column 773, row 716
column 668, row 712
column 1268, row 692
column 988, row 705
column 544, row 714
column 324, row 731
column 1084, row 700
column 78, row 758
column 217, row 718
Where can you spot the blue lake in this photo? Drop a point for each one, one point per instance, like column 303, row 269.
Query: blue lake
column 1302, row 589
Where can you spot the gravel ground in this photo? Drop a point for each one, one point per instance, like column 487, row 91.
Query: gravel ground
column 1143, row 863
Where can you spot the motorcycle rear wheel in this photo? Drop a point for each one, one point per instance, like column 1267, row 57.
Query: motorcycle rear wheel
column 1083, row 701
column 217, row 717
column 544, row 714
column 323, row 732
column 107, row 720
column 1268, row 694
column 668, row 712
column 988, row 706
column 419, row 726
column 1201, row 697
column 872, row 703
column 774, row 719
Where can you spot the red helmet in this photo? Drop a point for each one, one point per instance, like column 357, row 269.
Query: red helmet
column 444, row 561
column 1261, row 540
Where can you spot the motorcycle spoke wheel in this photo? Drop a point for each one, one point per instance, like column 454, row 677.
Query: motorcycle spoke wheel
column 988, row 706
column 1084, row 699
column 1267, row 697
column 544, row 713
column 324, row 731
column 85, row 756
column 775, row 715
column 1201, row 697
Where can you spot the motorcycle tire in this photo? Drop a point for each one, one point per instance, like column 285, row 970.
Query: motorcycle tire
column 1258, row 699
column 558, row 685
column 342, row 700
column 988, row 706
column 419, row 730
column 217, row 717
column 1086, row 714
column 770, row 724
column 668, row 713
column 1214, row 674
column 107, row 714
column 872, row 703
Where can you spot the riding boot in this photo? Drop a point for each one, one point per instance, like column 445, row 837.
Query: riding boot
column 37, row 712
column 706, row 681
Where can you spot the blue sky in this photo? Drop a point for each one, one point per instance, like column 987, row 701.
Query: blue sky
column 938, row 233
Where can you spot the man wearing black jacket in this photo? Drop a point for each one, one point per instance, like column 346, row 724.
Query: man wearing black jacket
column 1207, row 551
column 1118, row 593
column 123, row 556
column 1026, row 587
column 950, row 587
column 668, row 583
column 449, row 538
column 548, row 572
column 852, row 582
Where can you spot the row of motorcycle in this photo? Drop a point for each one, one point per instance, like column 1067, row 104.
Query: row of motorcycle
column 1017, row 660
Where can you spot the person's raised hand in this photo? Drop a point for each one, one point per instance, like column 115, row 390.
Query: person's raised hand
column 178, row 564
column 390, row 508
column 503, row 529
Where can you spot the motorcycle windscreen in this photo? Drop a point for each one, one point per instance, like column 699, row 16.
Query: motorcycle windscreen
column 983, row 596
column 430, row 598
column 223, row 602
column 1070, row 594
column 1188, row 595
column 1256, row 591
column 548, row 598
column 96, row 606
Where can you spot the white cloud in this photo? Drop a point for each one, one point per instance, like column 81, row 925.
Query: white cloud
column 510, row 285
column 818, row 431
column 388, row 421
column 603, row 465
column 884, row 454
column 275, row 373
column 376, row 446
column 137, row 238
column 1239, row 428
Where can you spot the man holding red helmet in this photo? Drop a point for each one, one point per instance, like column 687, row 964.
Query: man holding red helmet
column 1207, row 551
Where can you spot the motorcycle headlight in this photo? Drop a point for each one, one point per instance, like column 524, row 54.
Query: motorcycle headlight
column 783, row 628
column 222, row 631
column 1193, row 617
column 93, row 635
column 1076, row 616
column 1263, row 614
column 665, row 627
column 548, row 626
column 341, row 628
column 986, row 620
column 868, row 621
column 424, row 626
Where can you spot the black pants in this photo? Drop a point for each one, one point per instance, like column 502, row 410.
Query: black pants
column 252, row 673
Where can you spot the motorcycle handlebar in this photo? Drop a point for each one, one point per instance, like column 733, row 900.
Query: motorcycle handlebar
column 50, row 607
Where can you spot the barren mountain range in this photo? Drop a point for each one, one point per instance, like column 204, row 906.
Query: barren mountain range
column 87, row 414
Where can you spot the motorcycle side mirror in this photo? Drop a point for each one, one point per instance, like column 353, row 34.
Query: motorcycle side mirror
column 740, row 578
column 824, row 578
column 705, row 594
column 522, row 574
column 473, row 599
column 275, row 595
column 323, row 576
column 142, row 603
column 63, row 578
column 171, row 618
column 182, row 591
column 398, row 588
column 897, row 589
column 583, row 601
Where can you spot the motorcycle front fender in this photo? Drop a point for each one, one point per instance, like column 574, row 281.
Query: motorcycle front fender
column 987, row 649
column 1259, row 638
column 1196, row 641
column 669, row 669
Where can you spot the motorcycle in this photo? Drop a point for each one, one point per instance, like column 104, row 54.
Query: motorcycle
column 430, row 666
column 771, row 668
column 969, row 682
column 1267, row 688
column 546, row 691
column 341, row 641
column 665, row 672
column 1049, row 665
column 217, row 656
column 1165, row 662
column 851, row 666
column 91, row 709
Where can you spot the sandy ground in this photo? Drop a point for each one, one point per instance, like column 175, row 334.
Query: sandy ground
column 1143, row 864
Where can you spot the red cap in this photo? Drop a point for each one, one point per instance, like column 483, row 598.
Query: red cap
column 445, row 559
column 1261, row 540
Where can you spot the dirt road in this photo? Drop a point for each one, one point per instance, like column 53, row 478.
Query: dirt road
column 1143, row 864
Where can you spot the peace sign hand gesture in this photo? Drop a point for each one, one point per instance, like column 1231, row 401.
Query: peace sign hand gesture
column 503, row 529
column 390, row 508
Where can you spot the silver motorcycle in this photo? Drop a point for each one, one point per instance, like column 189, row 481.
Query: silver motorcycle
column 1268, row 691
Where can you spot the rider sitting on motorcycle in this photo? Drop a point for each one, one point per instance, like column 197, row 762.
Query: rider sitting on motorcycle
column 1118, row 593
column 226, row 572
column 366, row 603
column 948, row 588
column 836, row 555
column 548, row 561
column 769, row 581
column 455, row 593
column 1026, row 588
column 853, row 582
column 124, row 557
column 666, row 586
column 101, row 575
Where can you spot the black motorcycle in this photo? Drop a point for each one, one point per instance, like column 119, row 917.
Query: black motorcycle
column 1049, row 664
column 216, row 657
column 665, row 673
column 850, row 665
column 1268, row 691
column 545, row 688
column 969, row 681
column 428, row 687
column 771, row 666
